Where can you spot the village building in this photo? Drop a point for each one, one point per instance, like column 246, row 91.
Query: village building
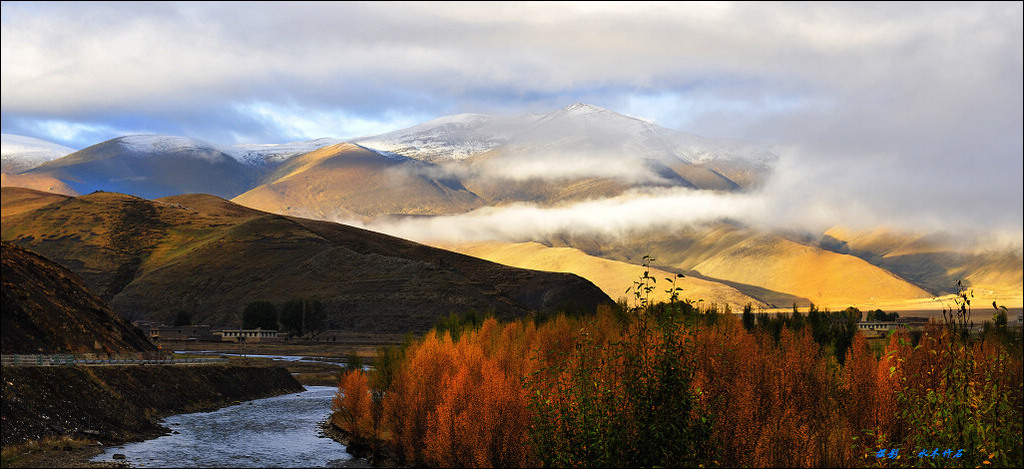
column 248, row 335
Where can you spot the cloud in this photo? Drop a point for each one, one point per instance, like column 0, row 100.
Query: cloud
column 299, row 123
column 890, row 112
column 559, row 167
column 363, row 57
column 792, row 209
column 629, row 213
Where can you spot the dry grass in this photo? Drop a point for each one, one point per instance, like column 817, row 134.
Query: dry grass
column 39, row 182
column 613, row 277
column 347, row 182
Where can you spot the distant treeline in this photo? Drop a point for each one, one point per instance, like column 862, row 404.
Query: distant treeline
column 296, row 316
column 833, row 330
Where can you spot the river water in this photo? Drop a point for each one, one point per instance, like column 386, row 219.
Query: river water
column 280, row 431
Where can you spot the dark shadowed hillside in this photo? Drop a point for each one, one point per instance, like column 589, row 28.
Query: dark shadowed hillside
column 210, row 257
column 151, row 166
column 48, row 309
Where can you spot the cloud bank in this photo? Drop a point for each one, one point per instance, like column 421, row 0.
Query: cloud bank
column 884, row 111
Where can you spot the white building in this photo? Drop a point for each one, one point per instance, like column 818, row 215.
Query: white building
column 248, row 335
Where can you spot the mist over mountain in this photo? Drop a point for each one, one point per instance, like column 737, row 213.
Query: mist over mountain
column 457, row 164
column 449, row 165
column 580, row 141
column 582, row 177
column 501, row 159
column 19, row 153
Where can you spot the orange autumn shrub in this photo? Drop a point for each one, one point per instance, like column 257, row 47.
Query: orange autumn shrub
column 958, row 392
column 462, row 403
column 351, row 405
column 415, row 392
column 772, row 404
column 589, row 391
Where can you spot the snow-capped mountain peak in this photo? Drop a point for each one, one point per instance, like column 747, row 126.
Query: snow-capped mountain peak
column 248, row 154
column 19, row 153
column 456, row 137
column 583, row 109
column 578, row 127
column 154, row 144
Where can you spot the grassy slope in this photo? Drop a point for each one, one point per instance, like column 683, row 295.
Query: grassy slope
column 38, row 182
column 345, row 181
column 767, row 266
column 211, row 257
column 614, row 277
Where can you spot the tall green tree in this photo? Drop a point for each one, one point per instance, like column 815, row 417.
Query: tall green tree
column 182, row 318
column 302, row 316
column 748, row 317
column 260, row 314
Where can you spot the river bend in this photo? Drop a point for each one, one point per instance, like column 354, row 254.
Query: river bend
column 280, row 431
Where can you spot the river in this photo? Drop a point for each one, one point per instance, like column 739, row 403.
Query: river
column 280, row 431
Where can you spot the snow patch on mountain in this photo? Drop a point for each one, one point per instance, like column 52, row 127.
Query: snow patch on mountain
column 249, row 154
column 577, row 129
column 259, row 154
column 156, row 144
column 447, row 138
column 19, row 153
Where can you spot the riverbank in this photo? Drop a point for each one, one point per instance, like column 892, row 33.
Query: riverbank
column 61, row 452
column 386, row 455
column 67, row 410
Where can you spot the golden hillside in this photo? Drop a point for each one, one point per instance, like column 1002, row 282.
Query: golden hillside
column 348, row 182
column 773, row 267
column 613, row 277
column 39, row 182
column 827, row 278
column 937, row 263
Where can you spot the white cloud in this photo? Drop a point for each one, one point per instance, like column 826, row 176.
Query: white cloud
column 635, row 211
column 676, row 209
column 69, row 131
column 302, row 123
column 897, row 111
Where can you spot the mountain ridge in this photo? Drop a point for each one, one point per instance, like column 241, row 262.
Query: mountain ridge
column 212, row 257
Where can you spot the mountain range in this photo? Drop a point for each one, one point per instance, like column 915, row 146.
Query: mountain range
column 499, row 159
column 476, row 163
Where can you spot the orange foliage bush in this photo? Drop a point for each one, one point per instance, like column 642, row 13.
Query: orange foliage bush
column 781, row 403
column 462, row 403
column 351, row 405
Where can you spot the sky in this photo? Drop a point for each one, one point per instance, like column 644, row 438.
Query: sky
column 883, row 111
